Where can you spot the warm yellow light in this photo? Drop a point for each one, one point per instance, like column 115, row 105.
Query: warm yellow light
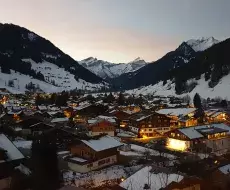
column 144, row 137
column 142, row 130
column 176, row 144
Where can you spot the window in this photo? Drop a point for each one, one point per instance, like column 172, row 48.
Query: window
column 107, row 160
column 89, row 165
column 101, row 162
column 82, row 152
column 150, row 129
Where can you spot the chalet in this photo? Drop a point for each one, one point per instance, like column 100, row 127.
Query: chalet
column 31, row 126
column 181, row 117
column 207, row 138
column 90, row 110
column 93, row 154
column 122, row 117
column 10, row 157
column 147, row 124
column 100, row 126
column 215, row 116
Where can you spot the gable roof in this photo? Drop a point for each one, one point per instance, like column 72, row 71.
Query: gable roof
column 176, row 111
column 103, row 143
column 12, row 152
column 199, row 131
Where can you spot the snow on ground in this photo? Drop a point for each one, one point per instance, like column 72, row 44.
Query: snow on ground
column 202, row 44
column 142, row 150
column 23, row 144
column 144, row 176
column 221, row 89
column 63, row 79
column 102, row 176
column 137, row 150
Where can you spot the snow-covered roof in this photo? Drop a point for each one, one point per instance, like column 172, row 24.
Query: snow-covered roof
column 103, row 143
column 107, row 118
column 12, row 152
column 56, row 120
column 144, row 176
column 42, row 107
column 196, row 132
column 176, row 111
column 77, row 159
column 225, row 169
column 23, row 144
column 191, row 133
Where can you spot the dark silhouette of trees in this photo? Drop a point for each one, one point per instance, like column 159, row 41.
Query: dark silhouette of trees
column 197, row 101
column 121, row 99
column 45, row 172
column 224, row 103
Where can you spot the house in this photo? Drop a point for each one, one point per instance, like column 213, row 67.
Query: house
column 215, row 116
column 206, row 138
column 122, row 117
column 100, row 126
column 10, row 157
column 147, row 178
column 93, row 153
column 147, row 124
column 31, row 126
column 181, row 117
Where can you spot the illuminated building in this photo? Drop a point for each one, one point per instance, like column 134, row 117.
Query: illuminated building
column 212, row 138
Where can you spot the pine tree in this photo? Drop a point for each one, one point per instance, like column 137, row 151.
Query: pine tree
column 121, row 99
column 197, row 101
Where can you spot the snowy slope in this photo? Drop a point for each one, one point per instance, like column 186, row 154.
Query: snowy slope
column 62, row 78
column 222, row 89
column 202, row 43
column 106, row 69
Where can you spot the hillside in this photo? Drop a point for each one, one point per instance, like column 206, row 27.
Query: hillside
column 156, row 71
column 207, row 74
column 29, row 54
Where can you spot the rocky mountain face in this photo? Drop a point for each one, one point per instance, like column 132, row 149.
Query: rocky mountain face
column 108, row 70
column 22, row 52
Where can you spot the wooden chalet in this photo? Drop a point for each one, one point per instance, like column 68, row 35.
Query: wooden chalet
column 207, row 138
column 147, row 124
column 93, row 153
column 99, row 126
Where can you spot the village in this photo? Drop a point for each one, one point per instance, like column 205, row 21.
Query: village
column 116, row 140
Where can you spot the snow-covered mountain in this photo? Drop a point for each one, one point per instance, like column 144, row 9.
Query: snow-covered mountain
column 27, row 57
column 107, row 70
column 202, row 43
column 207, row 74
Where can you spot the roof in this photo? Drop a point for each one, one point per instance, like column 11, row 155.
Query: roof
column 191, row 133
column 199, row 131
column 12, row 152
column 144, row 175
column 56, row 120
column 176, row 111
column 140, row 116
column 225, row 169
column 103, row 143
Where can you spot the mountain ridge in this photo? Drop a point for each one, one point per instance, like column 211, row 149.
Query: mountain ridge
column 18, row 43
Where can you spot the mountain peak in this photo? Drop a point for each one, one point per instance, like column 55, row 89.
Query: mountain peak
column 202, row 44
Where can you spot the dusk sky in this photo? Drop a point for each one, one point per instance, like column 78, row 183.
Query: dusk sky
column 119, row 30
